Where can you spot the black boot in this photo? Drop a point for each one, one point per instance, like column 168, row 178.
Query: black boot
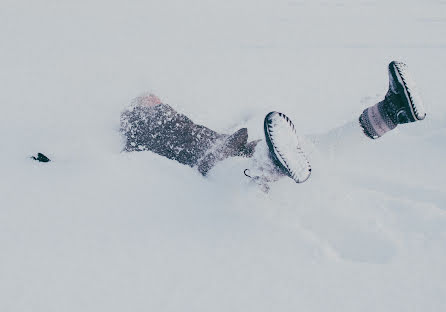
column 402, row 104
column 284, row 146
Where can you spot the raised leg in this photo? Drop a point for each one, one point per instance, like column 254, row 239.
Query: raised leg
column 402, row 104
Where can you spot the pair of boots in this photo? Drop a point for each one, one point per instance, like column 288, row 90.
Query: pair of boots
column 151, row 125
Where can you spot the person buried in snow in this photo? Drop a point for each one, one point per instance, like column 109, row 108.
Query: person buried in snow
column 150, row 125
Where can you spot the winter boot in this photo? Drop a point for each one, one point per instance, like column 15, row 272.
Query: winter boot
column 284, row 147
column 402, row 104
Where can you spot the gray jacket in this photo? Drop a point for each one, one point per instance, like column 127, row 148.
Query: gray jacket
column 164, row 131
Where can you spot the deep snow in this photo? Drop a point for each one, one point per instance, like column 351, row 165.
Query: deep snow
column 101, row 230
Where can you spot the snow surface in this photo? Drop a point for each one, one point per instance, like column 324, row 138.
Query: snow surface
column 101, row 230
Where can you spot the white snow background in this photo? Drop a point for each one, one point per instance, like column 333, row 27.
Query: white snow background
column 100, row 230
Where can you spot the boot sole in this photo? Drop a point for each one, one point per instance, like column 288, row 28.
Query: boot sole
column 409, row 88
column 284, row 147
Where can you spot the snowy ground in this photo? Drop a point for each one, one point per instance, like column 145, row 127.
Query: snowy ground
column 100, row 230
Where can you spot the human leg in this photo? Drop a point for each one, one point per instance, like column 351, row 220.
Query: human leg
column 402, row 104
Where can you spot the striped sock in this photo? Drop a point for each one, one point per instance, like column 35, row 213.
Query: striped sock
column 375, row 122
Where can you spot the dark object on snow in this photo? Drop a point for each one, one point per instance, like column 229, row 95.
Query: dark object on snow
column 150, row 125
column 402, row 104
column 41, row 158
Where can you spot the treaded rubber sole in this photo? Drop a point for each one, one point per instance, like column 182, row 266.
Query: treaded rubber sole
column 409, row 89
column 284, row 147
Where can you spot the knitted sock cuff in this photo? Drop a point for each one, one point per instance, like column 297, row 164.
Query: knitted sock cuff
column 375, row 122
